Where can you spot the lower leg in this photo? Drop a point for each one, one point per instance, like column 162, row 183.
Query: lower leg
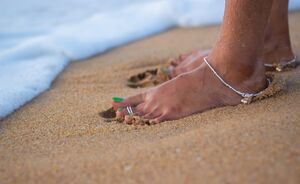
column 277, row 44
column 241, row 41
column 277, row 47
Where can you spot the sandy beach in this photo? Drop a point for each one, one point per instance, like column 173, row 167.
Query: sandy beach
column 59, row 137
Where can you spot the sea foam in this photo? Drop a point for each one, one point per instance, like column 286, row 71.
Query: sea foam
column 39, row 38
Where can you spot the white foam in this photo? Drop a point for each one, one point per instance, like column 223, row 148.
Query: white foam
column 39, row 38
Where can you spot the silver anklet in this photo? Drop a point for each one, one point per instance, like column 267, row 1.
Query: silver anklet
column 246, row 96
column 280, row 66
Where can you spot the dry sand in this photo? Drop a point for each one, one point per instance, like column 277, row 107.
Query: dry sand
column 59, row 138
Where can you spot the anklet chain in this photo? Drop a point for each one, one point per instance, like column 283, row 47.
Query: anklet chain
column 288, row 62
column 245, row 95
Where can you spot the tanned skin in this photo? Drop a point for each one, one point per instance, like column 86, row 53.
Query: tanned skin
column 253, row 32
column 277, row 44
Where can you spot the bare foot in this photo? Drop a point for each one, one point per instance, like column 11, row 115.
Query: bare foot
column 188, row 62
column 189, row 93
column 235, row 57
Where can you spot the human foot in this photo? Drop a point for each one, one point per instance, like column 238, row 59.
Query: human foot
column 276, row 51
column 188, row 63
column 234, row 57
column 192, row 92
column 278, row 55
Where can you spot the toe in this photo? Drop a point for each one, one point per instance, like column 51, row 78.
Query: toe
column 139, row 110
column 134, row 100
column 130, row 101
column 158, row 119
column 128, row 120
column 152, row 114
column 177, row 71
column 186, row 55
column 121, row 112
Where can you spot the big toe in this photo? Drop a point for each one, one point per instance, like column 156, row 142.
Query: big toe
column 130, row 101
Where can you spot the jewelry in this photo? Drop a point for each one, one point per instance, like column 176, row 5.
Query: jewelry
column 280, row 66
column 129, row 110
column 246, row 96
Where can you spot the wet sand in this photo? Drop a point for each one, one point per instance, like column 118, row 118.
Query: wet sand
column 59, row 138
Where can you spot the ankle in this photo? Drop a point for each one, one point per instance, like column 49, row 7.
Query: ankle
column 235, row 65
column 245, row 74
column 277, row 51
column 277, row 47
